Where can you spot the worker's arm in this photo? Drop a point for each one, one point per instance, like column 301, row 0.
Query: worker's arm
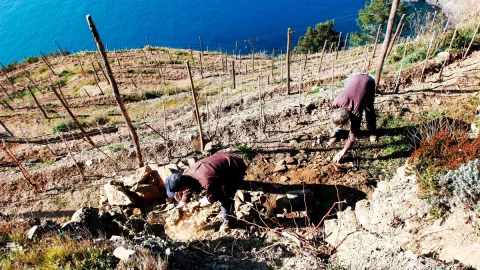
column 352, row 136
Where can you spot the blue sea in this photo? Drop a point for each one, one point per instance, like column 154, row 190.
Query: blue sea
column 30, row 26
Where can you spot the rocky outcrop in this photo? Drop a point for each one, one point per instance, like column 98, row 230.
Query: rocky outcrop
column 394, row 230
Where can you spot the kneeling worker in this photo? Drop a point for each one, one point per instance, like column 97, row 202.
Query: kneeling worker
column 357, row 96
column 220, row 174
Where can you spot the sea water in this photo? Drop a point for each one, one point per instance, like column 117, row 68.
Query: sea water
column 30, row 26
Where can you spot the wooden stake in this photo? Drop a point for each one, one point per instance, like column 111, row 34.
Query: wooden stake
column 71, row 155
column 81, row 66
column 5, row 91
column 44, row 58
column 233, row 74
column 116, row 92
column 471, row 42
column 36, row 102
column 5, row 103
column 201, row 45
column 386, row 42
column 60, row 49
column 116, row 57
column 165, row 128
column 397, row 33
column 379, row 31
column 338, row 45
column 24, row 171
column 395, row 89
column 236, row 50
column 273, row 62
column 6, row 129
column 59, row 90
column 197, row 112
column 422, row 76
column 260, row 100
column 95, row 71
column 100, row 67
column 289, row 37
column 440, row 77
column 33, row 82
column 6, row 76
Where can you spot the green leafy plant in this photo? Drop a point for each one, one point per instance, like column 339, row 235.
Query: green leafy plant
column 314, row 38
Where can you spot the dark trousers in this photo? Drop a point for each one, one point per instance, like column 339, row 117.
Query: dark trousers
column 227, row 201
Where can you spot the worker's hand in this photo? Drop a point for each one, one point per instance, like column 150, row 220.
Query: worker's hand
column 204, row 202
column 338, row 156
column 180, row 205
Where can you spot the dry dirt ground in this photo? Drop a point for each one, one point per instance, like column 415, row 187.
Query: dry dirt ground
column 233, row 122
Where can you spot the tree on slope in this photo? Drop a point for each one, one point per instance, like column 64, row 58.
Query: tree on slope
column 314, row 38
column 375, row 13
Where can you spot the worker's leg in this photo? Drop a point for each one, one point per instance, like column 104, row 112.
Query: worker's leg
column 227, row 202
column 371, row 119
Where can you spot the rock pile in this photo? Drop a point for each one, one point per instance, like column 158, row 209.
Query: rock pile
column 140, row 191
column 394, row 230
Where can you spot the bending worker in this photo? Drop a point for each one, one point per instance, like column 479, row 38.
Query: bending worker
column 357, row 96
column 220, row 174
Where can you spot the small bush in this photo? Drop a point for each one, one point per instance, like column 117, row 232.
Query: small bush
column 132, row 98
column 69, row 125
column 153, row 94
column 245, row 151
column 31, row 59
column 464, row 182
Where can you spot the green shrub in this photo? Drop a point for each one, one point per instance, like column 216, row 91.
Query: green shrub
column 132, row 97
column 68, row 125
column 153, row 94
column 31, row 59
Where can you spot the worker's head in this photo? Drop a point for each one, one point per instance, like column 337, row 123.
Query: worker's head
column 340, row 117
column 173, row 184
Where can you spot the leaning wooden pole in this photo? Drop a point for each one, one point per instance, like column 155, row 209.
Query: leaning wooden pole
column 6, row 76
column 233, row 74
column 74, row 118
column 116, row 92
column 24, row 171
column 36, row 102
column 397, row 33
column 422, row 75
column 386, row 42
column 440, row 77
column 6, row 129
column 471, row 42
column 197, row 112
column 289, row 41
column 379, row 31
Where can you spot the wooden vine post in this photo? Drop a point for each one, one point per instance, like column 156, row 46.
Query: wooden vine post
column 197, row 112
column 397, row 33
column 6, row 76
column 45, row 59
column 338, row 45
column 6, row 129
column 116, row 92
column 440, row 77
column 422, row 75
column 36, row 102
column 289, row 42
column 74, row 118
column 379, row 31
column 24, row 171
column 386, row 42
column 233, row 74
column 471, row 42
